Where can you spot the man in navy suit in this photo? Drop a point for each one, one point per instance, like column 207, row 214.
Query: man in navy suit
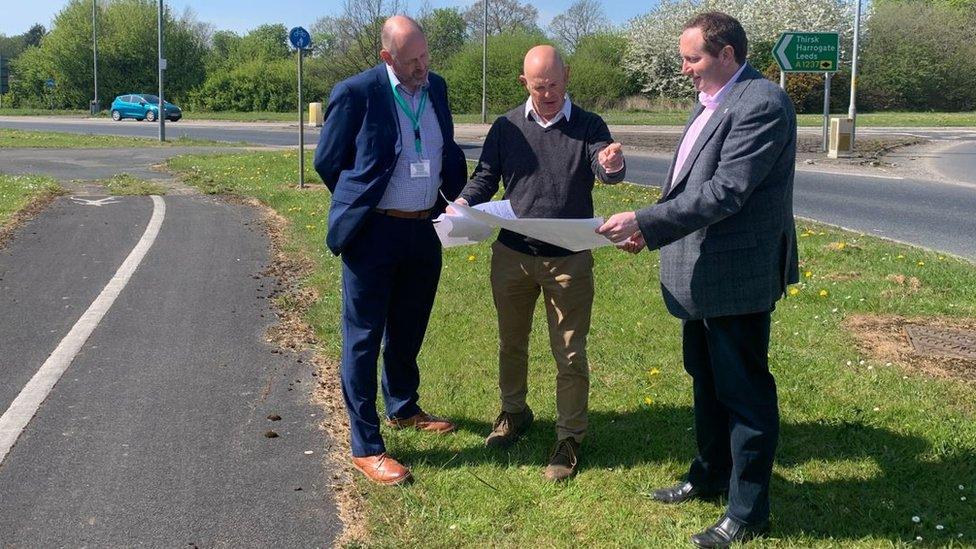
column 386, row 153
column 725, row 228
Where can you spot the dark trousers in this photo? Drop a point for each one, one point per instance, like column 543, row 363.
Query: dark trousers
column 736, row 412
column 389, row 278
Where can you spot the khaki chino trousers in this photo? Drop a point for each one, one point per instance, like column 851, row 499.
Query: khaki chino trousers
column 566, row 284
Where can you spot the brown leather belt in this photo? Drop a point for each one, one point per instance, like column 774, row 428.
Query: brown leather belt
column 402, row 214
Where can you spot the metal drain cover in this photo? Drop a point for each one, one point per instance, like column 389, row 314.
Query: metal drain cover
column 939, row 341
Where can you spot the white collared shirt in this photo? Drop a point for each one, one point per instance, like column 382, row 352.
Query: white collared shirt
column 564, row 113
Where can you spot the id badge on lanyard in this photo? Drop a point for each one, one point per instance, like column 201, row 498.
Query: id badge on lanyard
column 420, row 168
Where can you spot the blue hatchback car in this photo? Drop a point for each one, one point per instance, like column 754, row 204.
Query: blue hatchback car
column 142, row 106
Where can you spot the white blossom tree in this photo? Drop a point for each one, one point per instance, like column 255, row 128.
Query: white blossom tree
column 652, row 53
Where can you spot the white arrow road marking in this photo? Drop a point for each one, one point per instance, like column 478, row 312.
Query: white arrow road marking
column 781, row 52
column 100, row 202
column 23, row 408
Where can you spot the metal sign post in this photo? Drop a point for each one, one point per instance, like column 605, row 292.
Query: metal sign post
column 810, row 52
column 161, row 114
column 300, row 39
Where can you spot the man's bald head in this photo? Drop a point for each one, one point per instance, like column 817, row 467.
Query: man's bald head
column 405, row 50
column 545, row 76
column 397, row 30
column 541, row 60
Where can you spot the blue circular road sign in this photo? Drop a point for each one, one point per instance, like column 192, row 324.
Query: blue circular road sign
column 299, row 38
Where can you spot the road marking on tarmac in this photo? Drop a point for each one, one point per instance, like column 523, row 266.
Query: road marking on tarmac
column 850, row 174
column 23, row 408
column 100, row 202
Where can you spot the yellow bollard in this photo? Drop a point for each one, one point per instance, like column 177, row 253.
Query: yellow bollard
column 315, row 115
column 840, row 137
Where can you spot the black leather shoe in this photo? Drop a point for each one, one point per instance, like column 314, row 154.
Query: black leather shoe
column 727, row 531
column 683, row 492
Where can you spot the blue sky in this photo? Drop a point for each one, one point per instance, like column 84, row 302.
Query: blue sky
column 18, row 15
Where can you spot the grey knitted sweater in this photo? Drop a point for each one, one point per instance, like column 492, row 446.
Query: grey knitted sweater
column 547, row 172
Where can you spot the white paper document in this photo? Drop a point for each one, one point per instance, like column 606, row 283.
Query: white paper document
column 477, row 223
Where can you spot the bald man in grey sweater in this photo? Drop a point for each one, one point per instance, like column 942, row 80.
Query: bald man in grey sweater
column 547, row 152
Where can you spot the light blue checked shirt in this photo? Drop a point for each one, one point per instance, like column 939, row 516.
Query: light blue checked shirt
column 414, row 193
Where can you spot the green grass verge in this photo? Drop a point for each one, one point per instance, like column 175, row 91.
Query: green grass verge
column 47, row 112
column 124, row 184
column 17, row 191
column 23, row 139
column 865, row 445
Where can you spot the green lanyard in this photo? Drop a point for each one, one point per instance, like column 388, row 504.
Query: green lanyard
column 413, row 116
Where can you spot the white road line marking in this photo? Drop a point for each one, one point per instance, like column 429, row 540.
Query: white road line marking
column 851, row 174
column 23, row 408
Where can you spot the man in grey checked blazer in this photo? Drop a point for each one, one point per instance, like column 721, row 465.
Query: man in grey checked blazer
column 725, row 228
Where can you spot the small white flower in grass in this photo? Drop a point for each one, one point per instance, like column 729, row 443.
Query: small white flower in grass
column 452, row 527
column 939, row 527
column 848, row 362
column 887, row 364
column 918, row 538
column 877, row 409
column 916, row 519
column 870, row 367
column 834, row 310
column 963, row 498
column 861, row 362
column 961, row 487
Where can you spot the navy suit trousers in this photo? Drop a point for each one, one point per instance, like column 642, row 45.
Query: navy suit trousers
column 736, row 411
column 389, row 278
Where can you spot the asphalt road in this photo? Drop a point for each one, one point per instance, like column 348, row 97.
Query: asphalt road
column 935, row 215
column 155, row 433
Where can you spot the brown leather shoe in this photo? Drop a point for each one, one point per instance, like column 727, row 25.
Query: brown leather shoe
column 565, row 457
column 382, row 469
column 423, row 422
column 508, row 428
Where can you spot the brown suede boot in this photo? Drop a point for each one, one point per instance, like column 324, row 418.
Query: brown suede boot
column 565, row 457
column 509, row 428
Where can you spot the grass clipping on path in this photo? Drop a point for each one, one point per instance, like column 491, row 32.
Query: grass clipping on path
column 124, row 184
column 21, row 198
column 868, row 442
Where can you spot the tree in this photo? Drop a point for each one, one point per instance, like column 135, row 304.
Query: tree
column 503, row 16
column 127, row 55
column 583, row 18
column 505, row 55
column 445, row 31
column 351, row 41
column 652, row 53
column 919, row 55
column 33, row 36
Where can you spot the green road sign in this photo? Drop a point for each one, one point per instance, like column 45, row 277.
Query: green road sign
column 807, row 51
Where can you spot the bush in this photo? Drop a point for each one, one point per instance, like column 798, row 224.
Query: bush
column 919, row 56
column 505, row 55
column 596, row 79
column 259, row 85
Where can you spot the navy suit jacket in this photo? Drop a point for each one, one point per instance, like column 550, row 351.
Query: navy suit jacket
column 360, row 144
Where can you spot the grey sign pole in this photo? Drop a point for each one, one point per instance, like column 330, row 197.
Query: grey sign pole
column 484, row 68
column 852, row 109
column 826, row 122
column 300, row 39
column 95, row 107
column 161, row 115
column 301, row 125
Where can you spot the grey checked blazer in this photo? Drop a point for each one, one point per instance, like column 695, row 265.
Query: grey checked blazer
column 725, row 227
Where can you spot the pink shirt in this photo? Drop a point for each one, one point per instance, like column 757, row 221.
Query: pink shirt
column 711, row 102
